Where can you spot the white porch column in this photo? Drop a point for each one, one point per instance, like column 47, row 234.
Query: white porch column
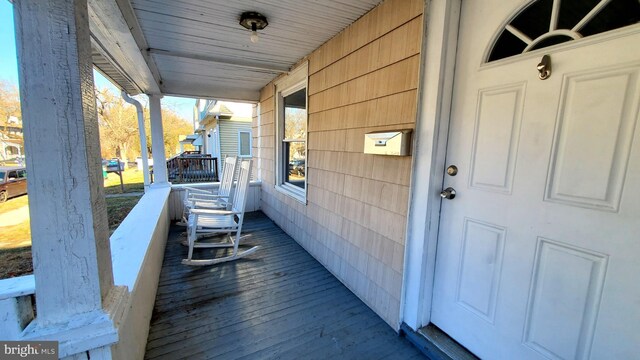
column 69, row 228
column 157, row 141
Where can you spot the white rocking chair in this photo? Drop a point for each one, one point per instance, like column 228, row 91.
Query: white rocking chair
column 207, row 199
column 206, row 222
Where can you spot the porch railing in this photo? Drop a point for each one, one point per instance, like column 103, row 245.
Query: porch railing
column 190, row 167
column 137, row 251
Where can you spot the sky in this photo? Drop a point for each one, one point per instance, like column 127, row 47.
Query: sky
column 9, row 65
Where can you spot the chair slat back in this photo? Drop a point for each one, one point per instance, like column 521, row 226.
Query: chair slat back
column 226, row 182
column 242, row 186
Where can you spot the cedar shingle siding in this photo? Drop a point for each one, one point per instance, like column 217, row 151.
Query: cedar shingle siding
column 364, row 79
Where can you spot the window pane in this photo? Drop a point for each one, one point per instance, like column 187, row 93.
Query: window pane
column 295, row 115
column 615, row 14
column 245, row 143
column 534, row 21
column 296, row 155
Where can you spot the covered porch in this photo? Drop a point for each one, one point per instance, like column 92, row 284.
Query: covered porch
column 277, row 303
column 531, row 260
column 115, row 296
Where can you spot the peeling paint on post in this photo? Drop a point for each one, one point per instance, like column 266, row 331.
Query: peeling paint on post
column 72, row 258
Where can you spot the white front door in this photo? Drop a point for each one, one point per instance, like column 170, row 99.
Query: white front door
column 539, row 252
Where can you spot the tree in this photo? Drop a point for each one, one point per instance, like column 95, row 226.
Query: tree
column 9, row 104
column 295, row 130
column 119, row 134
column 173, row 126
column 118, row 126
column 118, row 122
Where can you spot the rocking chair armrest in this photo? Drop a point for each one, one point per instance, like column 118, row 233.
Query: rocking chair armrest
column 207, row 196
column 199, row 211
column 196, row 190
column 194, row 201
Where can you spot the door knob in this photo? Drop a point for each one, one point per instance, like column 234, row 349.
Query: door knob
column 448, row 193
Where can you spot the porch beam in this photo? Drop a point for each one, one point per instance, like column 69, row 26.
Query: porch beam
column 111, row 33
column 157, row 141
column 69, row 227
column 220, row 61
column 209, row 91
column 130, row 18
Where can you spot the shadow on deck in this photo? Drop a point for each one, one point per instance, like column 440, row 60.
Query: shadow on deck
column 277, row 303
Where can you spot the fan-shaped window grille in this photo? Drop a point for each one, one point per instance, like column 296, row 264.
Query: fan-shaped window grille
column 549, row 22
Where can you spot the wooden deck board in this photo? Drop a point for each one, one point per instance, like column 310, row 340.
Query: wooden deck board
column 277, row 303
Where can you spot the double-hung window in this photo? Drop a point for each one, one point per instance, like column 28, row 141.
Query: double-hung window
column 291, row 134
column 244, row 143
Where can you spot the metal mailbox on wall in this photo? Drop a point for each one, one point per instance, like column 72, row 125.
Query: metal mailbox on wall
column 397, row 143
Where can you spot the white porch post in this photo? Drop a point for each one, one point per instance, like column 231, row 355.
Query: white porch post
column 157, row 141
column 69, row 228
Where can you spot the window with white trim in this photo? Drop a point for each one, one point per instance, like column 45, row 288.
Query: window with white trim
column 244, row 143
column 291, row 134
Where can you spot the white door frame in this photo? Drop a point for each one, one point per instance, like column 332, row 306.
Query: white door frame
column 439, row 44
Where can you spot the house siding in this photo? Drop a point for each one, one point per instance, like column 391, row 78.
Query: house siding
column 364, row 79
column 229, row 136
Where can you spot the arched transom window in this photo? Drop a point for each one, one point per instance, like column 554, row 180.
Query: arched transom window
column 544, row 23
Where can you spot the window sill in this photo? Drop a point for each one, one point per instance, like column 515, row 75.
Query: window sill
column 293, row 191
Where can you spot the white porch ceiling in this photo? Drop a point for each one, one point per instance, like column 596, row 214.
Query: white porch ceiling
column 197, row 48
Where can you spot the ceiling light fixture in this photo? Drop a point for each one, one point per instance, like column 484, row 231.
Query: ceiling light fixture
column 253, row 21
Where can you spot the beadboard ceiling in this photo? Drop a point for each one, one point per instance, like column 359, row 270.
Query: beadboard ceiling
column 197, row 48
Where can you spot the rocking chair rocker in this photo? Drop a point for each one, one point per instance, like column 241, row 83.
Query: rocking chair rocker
column 204, row 222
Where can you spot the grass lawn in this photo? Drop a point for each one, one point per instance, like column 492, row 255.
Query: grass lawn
column 14, row 226
column 15, row 239
column 118, row 208
column 132, row 178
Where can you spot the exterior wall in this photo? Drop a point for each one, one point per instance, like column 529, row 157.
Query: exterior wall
column 229, row 136
column 364, row 79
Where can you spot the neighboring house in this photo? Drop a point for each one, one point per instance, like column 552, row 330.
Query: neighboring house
column 13, row 127
column 223, row 131
column 11, row 142
column 511, row 226
column 10, row 147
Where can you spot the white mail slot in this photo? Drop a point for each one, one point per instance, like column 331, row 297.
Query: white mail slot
column 396, row 143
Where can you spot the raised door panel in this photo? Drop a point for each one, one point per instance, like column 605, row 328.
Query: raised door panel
column 594, row 132
column 565, row 300
column 495, row 139
column 480, row 267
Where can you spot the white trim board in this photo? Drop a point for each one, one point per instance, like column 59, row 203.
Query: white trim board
column 296, row 80
column 434, row 105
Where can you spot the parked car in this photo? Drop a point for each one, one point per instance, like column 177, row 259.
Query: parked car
column 13, row 182
column 115, row 165
column 297, row 167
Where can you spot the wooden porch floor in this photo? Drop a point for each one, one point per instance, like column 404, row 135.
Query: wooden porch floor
column 278, row 303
